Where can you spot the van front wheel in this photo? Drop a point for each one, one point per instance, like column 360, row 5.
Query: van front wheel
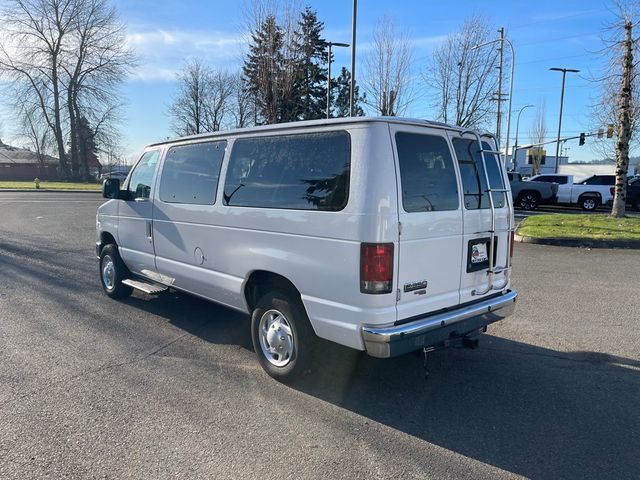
column 282, row 336
column 112, row 272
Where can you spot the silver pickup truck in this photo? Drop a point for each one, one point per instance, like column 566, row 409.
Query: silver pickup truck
column 528, row 194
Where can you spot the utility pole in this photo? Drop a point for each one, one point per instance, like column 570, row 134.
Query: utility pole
column 328, row 79
column 353, row 58
column 329, row 45
column 499, row 116
column 624, row 126
column 564, row 75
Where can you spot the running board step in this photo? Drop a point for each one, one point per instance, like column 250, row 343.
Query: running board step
column 146, row 287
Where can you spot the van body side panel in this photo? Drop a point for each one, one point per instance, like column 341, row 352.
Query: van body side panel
column 107, row 219
column 212, row 250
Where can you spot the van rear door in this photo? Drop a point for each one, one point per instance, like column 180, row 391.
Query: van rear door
column 480, row 219
column 430, row 215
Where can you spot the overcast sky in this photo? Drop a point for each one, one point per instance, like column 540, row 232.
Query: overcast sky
column 545, row 34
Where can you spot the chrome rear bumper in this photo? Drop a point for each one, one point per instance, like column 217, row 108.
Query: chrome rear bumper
column 434, row 329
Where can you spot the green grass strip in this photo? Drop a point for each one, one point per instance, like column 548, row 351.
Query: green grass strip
column 583, row 227
column 52, row 185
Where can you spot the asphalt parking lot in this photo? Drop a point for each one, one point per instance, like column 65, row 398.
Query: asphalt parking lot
column 168, row 387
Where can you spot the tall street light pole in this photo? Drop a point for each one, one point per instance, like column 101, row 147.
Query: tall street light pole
column 353, row 57
column 503, row 39
column 329, row 45
column 515, row 145
column 564, row 74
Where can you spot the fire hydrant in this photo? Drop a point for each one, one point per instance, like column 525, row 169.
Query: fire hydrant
column 37, row 182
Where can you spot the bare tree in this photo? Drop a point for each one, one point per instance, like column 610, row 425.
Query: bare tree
column 620, row 95
column 463, row 78
column 67, row 57
column 538, row 134
column 388, row 81
column 31, row 53
column 221, row 93
column 97, row 62
column 625, row 122
column 36, row 133
column 242, row 108
column 203, row 99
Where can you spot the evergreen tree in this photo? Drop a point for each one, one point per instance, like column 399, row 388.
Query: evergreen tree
column 309, row 91
column 263, row 69
column 341, row 88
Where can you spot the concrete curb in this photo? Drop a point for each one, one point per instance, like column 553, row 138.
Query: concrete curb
column 574, row 242
column 46, row 190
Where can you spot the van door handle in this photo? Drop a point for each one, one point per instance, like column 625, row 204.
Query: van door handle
column 149, row 231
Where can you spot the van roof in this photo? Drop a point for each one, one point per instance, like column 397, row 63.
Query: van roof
column 310, row 123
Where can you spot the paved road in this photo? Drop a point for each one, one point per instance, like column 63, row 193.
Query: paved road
column 168, row 387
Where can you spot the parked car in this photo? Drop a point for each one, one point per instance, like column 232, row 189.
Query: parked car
column 351, row 230
column 119, row 175
column 588, row 194
column 528, row 195
column 633, row 193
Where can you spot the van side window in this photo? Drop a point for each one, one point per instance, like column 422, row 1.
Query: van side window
column 302, row 172
column 190, row 173
column 427, row 173
column 472, row 173
column 140, row 182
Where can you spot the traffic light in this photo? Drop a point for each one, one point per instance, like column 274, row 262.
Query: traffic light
column 610, row 131
column 582, row 139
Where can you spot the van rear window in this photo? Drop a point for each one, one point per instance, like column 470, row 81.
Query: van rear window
column 474, row 182
column 427, row 173
column 300, row 172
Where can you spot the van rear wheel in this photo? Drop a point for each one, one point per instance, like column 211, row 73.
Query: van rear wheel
column 282, row 336
column 112, row 272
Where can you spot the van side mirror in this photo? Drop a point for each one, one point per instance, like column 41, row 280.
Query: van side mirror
column 111, row 188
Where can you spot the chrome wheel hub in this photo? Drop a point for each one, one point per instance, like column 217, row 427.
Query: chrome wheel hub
column 276, row 338
column 108, row 272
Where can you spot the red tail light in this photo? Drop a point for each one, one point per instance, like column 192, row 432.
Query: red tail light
column 613, row 190
column 376, row 267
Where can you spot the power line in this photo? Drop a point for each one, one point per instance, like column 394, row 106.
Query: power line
column 548, row 40
column 549, row 20
column 556, row 58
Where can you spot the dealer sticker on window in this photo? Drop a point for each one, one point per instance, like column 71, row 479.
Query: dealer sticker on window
column 479, row 253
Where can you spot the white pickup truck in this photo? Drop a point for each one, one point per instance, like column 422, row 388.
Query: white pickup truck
column 588, row 194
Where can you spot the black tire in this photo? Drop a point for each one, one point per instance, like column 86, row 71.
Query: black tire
column 114, row 288
column 303, row 338
column 528, row 200
column 589, row 203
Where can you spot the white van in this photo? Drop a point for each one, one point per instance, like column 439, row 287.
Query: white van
column 385, row 235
